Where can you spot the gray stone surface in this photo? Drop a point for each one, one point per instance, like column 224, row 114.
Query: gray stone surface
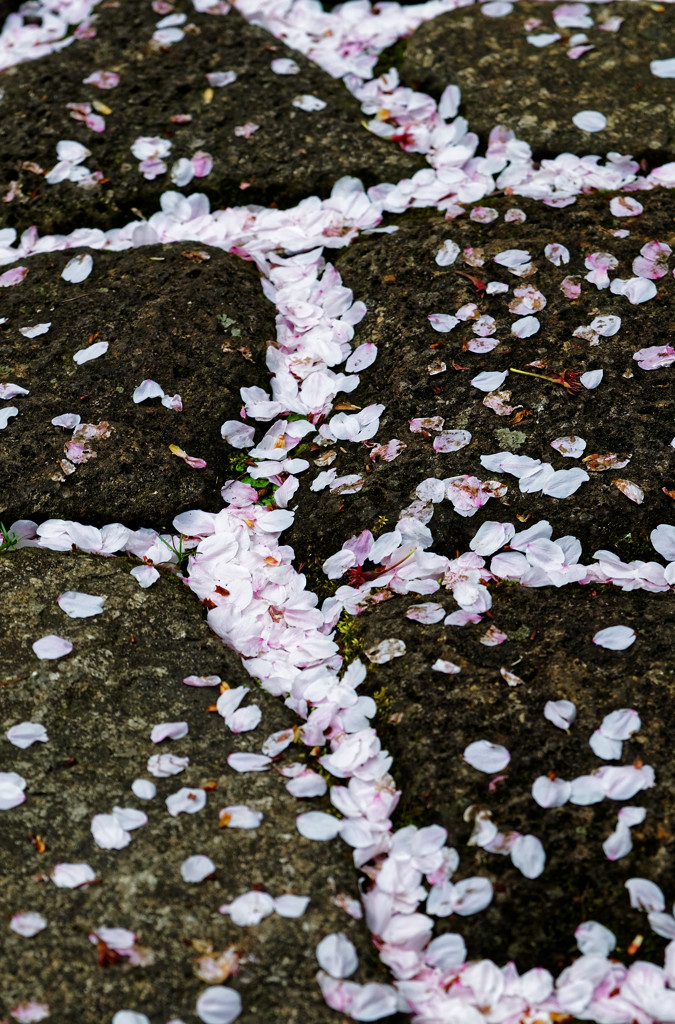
column 198, row 326
column 293, row 154
column 536, row 91
column 99, row 705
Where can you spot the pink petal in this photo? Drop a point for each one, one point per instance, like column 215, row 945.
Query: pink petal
column 50, row 647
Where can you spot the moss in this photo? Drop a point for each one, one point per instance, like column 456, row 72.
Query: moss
column 392, row 57
column 349, row 636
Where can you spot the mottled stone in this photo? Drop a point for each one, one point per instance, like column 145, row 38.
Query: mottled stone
column 537, row 90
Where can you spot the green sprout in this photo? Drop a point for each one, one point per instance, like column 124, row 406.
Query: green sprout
column 181, row 555
column 8, row 540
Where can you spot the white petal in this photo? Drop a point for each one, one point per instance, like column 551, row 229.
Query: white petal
column 386, row 651
column 27, row 733
column 525, row 327
column 50, row 647
column 27, row 925
column 169, row 731
column 78, row 268
column 108, row 833
column 590, row 120
column 84, row 355
column 162, row 766
column 144, row 789
column 337, row 955
column 240, row 816
column 249, row 909
column 489, row 380
column 290, row 905
column 218, row 1005
column 80, row 606
column 145, row 575
column 185, row 801
column 71, row 876
column 560, row 712
column 527, row 854
column 486, row 757
column 615, row 638
column 130, row 818
column 197, row 868
column 594, row 938
column 243, row 762
column 318, row 825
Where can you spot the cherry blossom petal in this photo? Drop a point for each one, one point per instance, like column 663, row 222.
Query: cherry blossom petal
column 590, row 121
column 144, row 789
column 663, row 68
column 361, row 358
column 447, row 254
column 27, row 733
column 84, row 355
column 615, row 638
column 50, row 647
column 528, row 855
column 385, row 650
column 591, row 379
column 147, row 389
column 489, row 380
column 239, row 816
column 448, row 667
column 441, row 322
column 78, row 269
column 145, row 575
column 645, row 895
column 486, row 757
column 169, row 731
column 218, row 1005
column 570, row 447
column 165, row 765
column 549, row 792
column 249, row 909
column 108, row 833
column 451, row 440
column 594, row 939
column 621, row 724
column 202, row 681
column 244, row 762
column 630, row 490
column 31, row 1012
column 28, row 925
column 197, row 868
column 560, row 713
column 33, row 332
column 337, row 955
column 80, row 606
column 427, row 613
column 291, row 906
column 72, row 876
column 318, row 825
column 185, row 801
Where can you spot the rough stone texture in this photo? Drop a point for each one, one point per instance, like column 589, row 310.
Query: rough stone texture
column 398, row 279
column 427, row 720
column 159, row 309
column 293, row 154
column 99, row 705
column 536, row 91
